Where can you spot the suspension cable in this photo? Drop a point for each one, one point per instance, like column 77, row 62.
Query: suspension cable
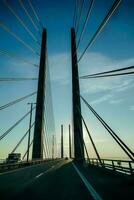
column 77, row 12
column 44, row 146
column 85, row 23
column 2, row 79
column 14, row 125
column 79, row 18
column 21, row 21
column 17, row 101
column 101, row 27
column 47, row 128
column 89, row 134
column 110, row 75
column 4, row 27
column 74, row 16
column 46, row 142
column 108, row 72
column 112, row 133
column 27, row 150
column 44, row 151
column 82, row 141
column 28, row 15
column 20, row 141
column 15, row 56
column 86, row 150
column 35, row 13
column 45, row 138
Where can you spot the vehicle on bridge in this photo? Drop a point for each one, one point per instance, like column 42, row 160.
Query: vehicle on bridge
column 13, row 158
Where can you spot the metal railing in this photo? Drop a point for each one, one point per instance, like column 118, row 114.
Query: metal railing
column 6, row 167
column 122, row 166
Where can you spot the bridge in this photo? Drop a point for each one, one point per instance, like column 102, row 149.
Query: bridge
column 58, row 163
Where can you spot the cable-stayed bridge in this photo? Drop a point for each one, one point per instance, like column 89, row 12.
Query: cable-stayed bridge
column 44, row 171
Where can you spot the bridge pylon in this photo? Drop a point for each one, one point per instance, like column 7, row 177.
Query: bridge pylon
column 70, row 151
column 62, row 145
column 77, row 122
column 37, row 152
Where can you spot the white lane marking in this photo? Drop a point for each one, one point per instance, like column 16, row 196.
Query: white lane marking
column 44, row 172
column 39, row 175
column 50, row 168
column 94, row 194
column 20, row 169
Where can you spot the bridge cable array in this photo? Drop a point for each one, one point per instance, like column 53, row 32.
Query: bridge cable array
column 85, row 23
column 109, row 73
column 18, row 38
column 29, row 16
column 38, row 26
column 82, row 139
column 14, row 125
column 5, row 79
column 35, row 14
column 49, row 124
column 5, row 28
column 100, row 28
column 92, row 142
column 21, row 21
column 17, row 101
column 79, row 17
column 23, row 157
column 76, row 12
column 124, row 147
column 46, row 138
column 90, row 137
column 15, row 56
column 46, row 145
column 21, row 140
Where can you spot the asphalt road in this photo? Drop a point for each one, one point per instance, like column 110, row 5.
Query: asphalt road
column 109, row 184
column 65, row 180
column 54, row 180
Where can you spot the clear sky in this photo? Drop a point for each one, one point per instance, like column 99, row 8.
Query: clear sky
column 112, row 98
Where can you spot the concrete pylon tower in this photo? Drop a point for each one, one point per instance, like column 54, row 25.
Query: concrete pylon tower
column 39, row 115
column 77, row 122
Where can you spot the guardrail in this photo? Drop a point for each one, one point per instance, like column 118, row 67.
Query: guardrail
column 2, row 161
column 5, row 167
column 122, row 166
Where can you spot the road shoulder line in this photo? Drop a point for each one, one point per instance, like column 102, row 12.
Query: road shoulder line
column 92, row 191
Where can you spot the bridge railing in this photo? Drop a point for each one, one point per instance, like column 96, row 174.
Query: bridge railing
column 122, row 166
column 5, row 167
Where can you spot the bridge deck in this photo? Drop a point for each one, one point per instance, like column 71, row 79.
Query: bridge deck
column 62, row 181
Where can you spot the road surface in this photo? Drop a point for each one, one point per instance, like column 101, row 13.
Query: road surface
column 54, row 180
column 65, row 180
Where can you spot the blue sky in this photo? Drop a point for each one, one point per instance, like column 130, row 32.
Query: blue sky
column 111, row 97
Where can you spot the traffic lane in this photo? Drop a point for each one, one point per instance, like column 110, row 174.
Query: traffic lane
column 11, row 182
column 109, row 184
column 61, row 183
